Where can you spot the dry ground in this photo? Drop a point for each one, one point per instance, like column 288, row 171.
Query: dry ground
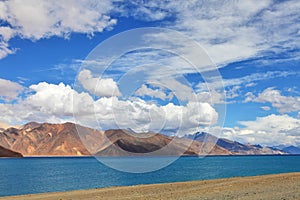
column 279, row 186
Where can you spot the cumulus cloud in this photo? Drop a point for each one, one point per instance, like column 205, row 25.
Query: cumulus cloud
column 9, row 90
column 142, row 116
column 100, row 87
column 48, row 103
column 269, row 130
column 273, row 129
column 54, row 99
column 58, row 103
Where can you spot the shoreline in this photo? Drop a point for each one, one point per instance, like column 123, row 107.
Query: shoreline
column 274, row 186
column 90, row 156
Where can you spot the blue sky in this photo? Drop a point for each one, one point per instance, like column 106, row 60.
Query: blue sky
column 48, row 71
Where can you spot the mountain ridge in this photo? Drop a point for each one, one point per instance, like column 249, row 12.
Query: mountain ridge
column 46, row 139
column 234, row 146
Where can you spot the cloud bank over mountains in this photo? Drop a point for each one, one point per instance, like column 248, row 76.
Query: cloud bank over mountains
column 58, row 103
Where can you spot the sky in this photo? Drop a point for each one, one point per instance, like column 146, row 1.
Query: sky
column 230, row 68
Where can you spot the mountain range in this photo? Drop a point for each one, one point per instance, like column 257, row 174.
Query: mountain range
column 235, row 147
column 288, row 149
column 45, row 139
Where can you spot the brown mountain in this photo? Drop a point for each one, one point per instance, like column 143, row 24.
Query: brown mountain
column 122, row 142
column 44, row 139
column 8, row 153
column 34, row 139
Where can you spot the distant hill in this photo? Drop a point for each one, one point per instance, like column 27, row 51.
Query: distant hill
column 233, row 146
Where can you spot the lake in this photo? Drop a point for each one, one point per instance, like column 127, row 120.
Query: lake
column 38, row 175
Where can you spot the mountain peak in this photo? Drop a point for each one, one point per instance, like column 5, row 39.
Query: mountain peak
column 202, row 137
column 291, row 150
column 31, row 125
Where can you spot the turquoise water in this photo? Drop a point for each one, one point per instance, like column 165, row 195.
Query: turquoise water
column 37, row 175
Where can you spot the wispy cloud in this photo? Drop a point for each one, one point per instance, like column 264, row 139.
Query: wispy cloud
column 234, row 87
column 232, row 30
column 227, row 30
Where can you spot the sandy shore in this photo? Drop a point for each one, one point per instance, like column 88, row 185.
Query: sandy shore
column 280, row 186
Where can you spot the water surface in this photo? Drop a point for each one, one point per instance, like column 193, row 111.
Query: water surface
column 38, row 175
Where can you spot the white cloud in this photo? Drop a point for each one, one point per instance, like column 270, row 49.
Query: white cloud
column 43, row 19
column 145, row 10
column 142, row 116
column 146, row 91
column 284, row 104
column 5, row 126
column 233, row 86
column 233, row 92
column 251, row 84
column 245, row 80
column 212, row 97
column 5, row 50
column 6, row 33
column 48, row 103
column 182, row 91
column 273, row 129
column 58, row 103
column 9, row 90
column 54, row 99
column 249, row 97
column 266, row 108
column 230, row 30
column 100, row 87
column 227, row 30
column 270, row 130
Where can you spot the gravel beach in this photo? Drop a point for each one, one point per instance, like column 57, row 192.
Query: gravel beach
column 278, row 186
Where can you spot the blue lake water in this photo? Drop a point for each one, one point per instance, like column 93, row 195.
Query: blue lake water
column 38, row 175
